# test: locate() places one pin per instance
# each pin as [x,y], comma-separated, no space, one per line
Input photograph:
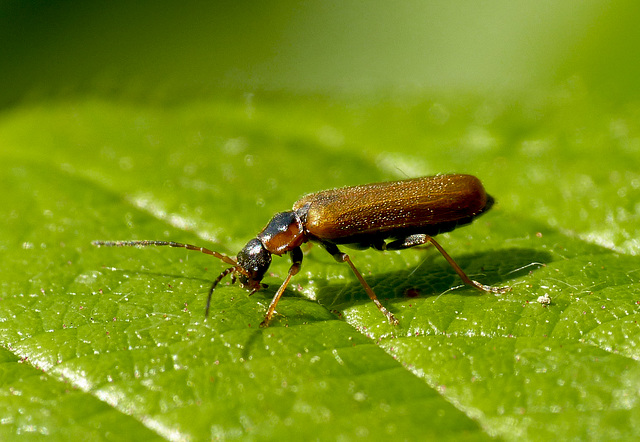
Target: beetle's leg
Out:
[296,263]
[343,257]
[407,242]
[376,245]
[463,275]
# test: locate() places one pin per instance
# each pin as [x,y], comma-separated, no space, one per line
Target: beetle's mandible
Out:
[384,216]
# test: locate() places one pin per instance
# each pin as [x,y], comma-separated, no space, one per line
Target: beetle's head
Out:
[254,260]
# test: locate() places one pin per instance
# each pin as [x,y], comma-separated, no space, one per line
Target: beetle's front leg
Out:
[296,263]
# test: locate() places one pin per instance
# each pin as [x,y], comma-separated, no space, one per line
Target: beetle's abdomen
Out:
[422,205]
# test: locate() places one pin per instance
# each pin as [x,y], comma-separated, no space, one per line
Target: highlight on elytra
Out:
[384,216]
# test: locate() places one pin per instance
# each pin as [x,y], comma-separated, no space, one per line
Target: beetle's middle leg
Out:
[419,239]
[343,257]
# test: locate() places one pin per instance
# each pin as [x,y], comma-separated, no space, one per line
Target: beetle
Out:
[384,216]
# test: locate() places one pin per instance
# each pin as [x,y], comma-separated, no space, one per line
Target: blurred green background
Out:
[175,50]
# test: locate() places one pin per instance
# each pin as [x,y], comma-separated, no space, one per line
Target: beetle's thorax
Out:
[284,233]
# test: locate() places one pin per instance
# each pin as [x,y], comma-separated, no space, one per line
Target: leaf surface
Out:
[112,343]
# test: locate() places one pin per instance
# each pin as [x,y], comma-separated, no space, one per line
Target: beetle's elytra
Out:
[384,216]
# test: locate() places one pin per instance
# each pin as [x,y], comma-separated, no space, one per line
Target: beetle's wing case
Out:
[428,205]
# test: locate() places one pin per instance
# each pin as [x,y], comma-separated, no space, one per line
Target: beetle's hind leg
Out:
[419,239]
[343,257]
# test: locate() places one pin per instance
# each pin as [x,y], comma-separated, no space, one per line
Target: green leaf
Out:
[112,343]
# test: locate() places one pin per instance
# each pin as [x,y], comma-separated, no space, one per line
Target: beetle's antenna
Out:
[213,286]
[146,243]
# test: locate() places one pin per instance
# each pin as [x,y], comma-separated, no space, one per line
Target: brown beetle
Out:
[384,216]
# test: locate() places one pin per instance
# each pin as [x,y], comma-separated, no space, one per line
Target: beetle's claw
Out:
[491,289]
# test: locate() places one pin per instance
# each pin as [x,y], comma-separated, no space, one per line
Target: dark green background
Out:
[198,121]
[169,49]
